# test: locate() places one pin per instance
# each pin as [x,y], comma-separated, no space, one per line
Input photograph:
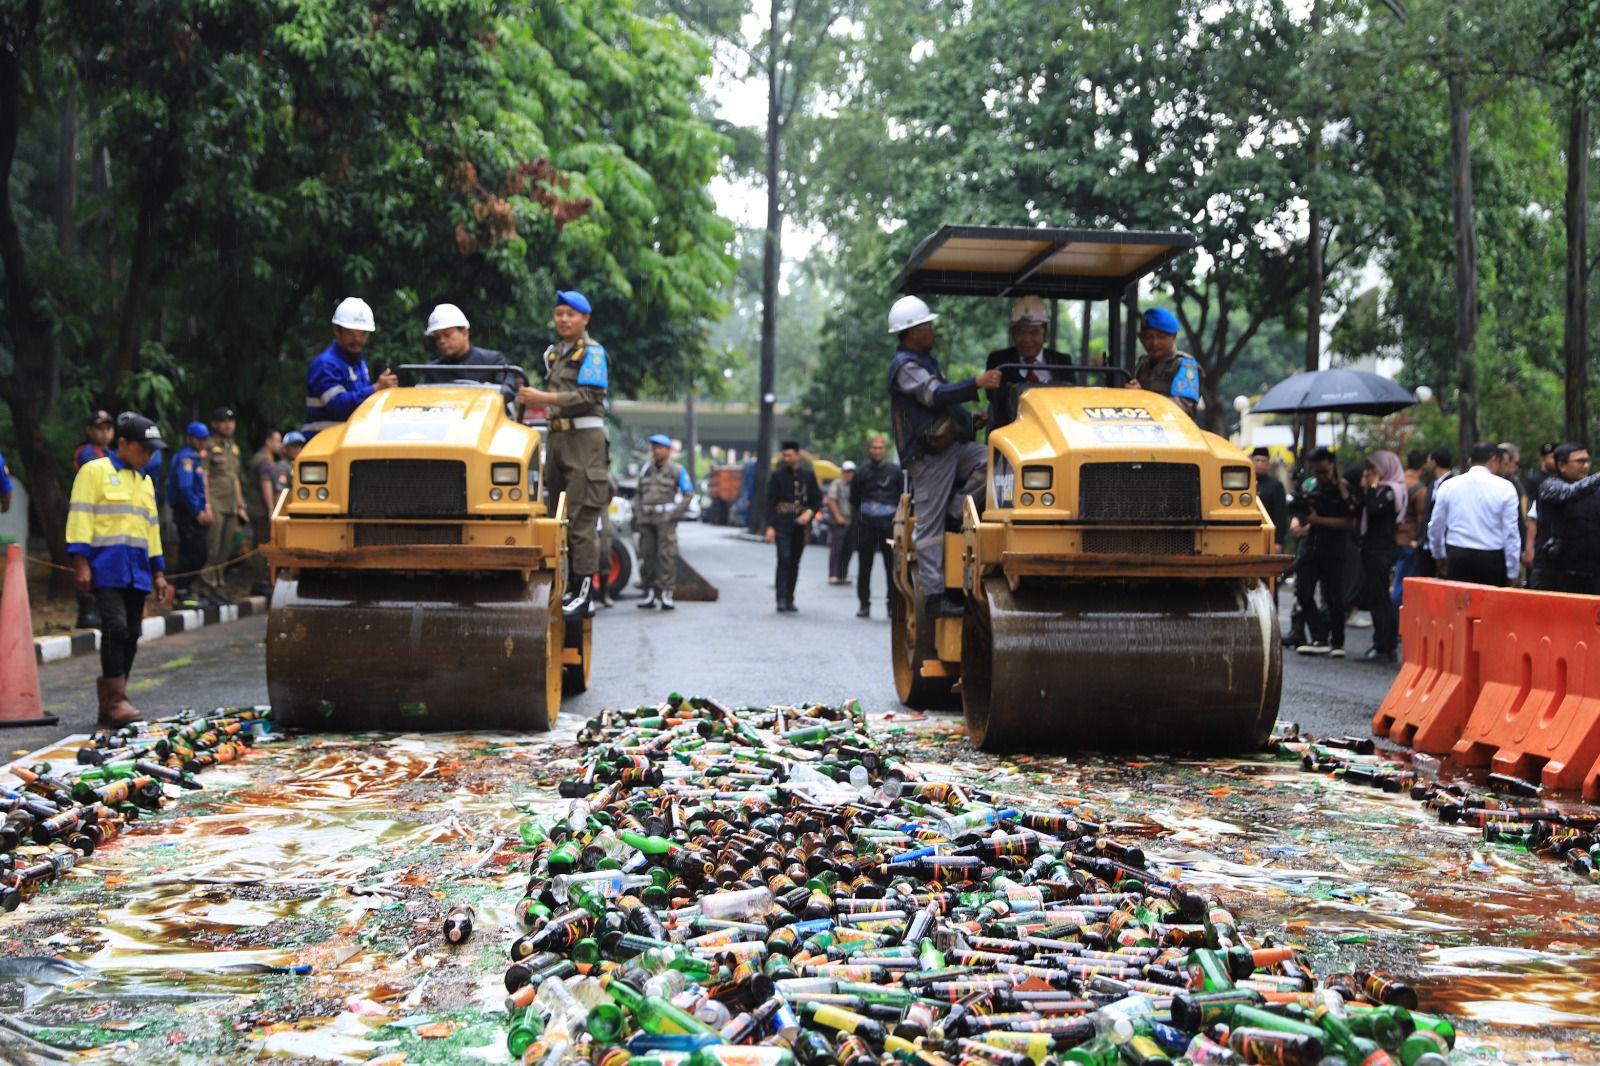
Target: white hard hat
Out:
[908,311]
[1030,311]
[446,316]
[848,466]
[353,313]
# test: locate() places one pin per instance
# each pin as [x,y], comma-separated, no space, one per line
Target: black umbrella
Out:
[1353,392]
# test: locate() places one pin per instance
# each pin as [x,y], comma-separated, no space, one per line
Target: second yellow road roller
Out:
[1118,573]
[418,573]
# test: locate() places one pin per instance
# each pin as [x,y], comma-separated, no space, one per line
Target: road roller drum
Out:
[1058,666]
[364,650]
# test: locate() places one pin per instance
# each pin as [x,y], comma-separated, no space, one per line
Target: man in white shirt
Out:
[1476,529]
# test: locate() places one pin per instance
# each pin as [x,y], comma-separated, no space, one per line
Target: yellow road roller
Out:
[1119,574]
[418,573]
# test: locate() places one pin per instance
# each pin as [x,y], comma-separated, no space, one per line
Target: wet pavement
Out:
[343,854]
[738,647]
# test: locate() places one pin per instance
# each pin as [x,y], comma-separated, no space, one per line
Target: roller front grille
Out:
[1139,492]
[408,488]
[375,535]
[1138,542]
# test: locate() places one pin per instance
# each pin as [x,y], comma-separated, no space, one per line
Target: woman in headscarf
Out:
[1384,482]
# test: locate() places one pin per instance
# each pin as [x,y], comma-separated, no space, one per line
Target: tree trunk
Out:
[141,269]
[26,388]
[1314,280]
[1575,326]
[67,177]
[691,435]
[1466,262]
[771,257]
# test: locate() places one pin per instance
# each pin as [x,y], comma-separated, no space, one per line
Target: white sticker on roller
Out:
[1131,434]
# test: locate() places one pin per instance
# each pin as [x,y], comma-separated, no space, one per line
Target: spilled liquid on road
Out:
[342,854]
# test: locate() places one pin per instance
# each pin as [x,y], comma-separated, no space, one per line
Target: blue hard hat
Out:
[661,439]
[198,429]
[1161,320]
[575,300]
[294,436]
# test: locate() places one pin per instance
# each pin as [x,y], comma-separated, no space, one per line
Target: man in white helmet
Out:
[934,435]
[452,340]
[1030,320]
[337,381]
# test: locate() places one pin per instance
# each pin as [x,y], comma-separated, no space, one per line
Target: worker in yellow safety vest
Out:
[114,538]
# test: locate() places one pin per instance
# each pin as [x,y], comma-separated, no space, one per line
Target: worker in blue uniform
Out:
[114,538]
[337,381]
[186,494]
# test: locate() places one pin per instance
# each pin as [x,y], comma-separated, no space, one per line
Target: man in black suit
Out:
[1030,321]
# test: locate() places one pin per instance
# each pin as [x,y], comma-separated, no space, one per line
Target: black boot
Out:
[88,613]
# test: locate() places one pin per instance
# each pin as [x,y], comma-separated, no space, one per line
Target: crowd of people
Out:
[1360,531]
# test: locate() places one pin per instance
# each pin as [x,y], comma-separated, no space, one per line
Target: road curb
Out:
[87,642]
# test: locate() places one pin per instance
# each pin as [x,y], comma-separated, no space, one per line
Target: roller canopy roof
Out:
[1010,261]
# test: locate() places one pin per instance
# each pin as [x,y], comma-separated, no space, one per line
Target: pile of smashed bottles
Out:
[761,886]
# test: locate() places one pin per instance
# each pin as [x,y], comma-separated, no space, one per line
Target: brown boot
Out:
[115,710]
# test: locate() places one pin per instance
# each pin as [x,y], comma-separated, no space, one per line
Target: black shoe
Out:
[1373,655]
[941,605]
[261,588]
[864,612]
[1294,640]
[575,604]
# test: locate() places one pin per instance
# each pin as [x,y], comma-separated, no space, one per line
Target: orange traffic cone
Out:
[19,664]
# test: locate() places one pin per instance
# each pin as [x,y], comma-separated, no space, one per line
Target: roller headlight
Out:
[313,473]
[515,494]
[303,493]
[1026,499]
[494,494]
[1236,477]
[1227,499]
[322,494]
[1244,499]
[505,474]
[1036,477]
[1048,499]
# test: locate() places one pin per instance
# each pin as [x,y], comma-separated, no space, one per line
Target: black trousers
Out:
[121,616]
[191,552]
[1567,581]
[790,538]
[1481,566]
[1377,564]
[841,545]
[872,540]
[1322,570]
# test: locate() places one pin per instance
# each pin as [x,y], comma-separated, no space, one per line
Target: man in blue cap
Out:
[186,494]
[1164,369]
[114,538]
[665,492]
[577,373]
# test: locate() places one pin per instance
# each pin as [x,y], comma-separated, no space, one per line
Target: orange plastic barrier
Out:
[20,702]
[1537,712]
[1428,704]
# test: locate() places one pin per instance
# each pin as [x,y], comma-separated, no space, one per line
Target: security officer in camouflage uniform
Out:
[225,486]
[577,375]
[664,494]
[1164,369]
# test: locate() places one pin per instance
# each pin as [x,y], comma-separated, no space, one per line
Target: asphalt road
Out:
[737,648]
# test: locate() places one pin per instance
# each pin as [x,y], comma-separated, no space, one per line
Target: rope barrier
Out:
[52,565]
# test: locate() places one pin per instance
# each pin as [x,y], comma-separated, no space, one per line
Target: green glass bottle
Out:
[524,1031]
[653,1014]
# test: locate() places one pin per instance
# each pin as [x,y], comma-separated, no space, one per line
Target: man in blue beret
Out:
[665,493]
[1164,369]
[577,374]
